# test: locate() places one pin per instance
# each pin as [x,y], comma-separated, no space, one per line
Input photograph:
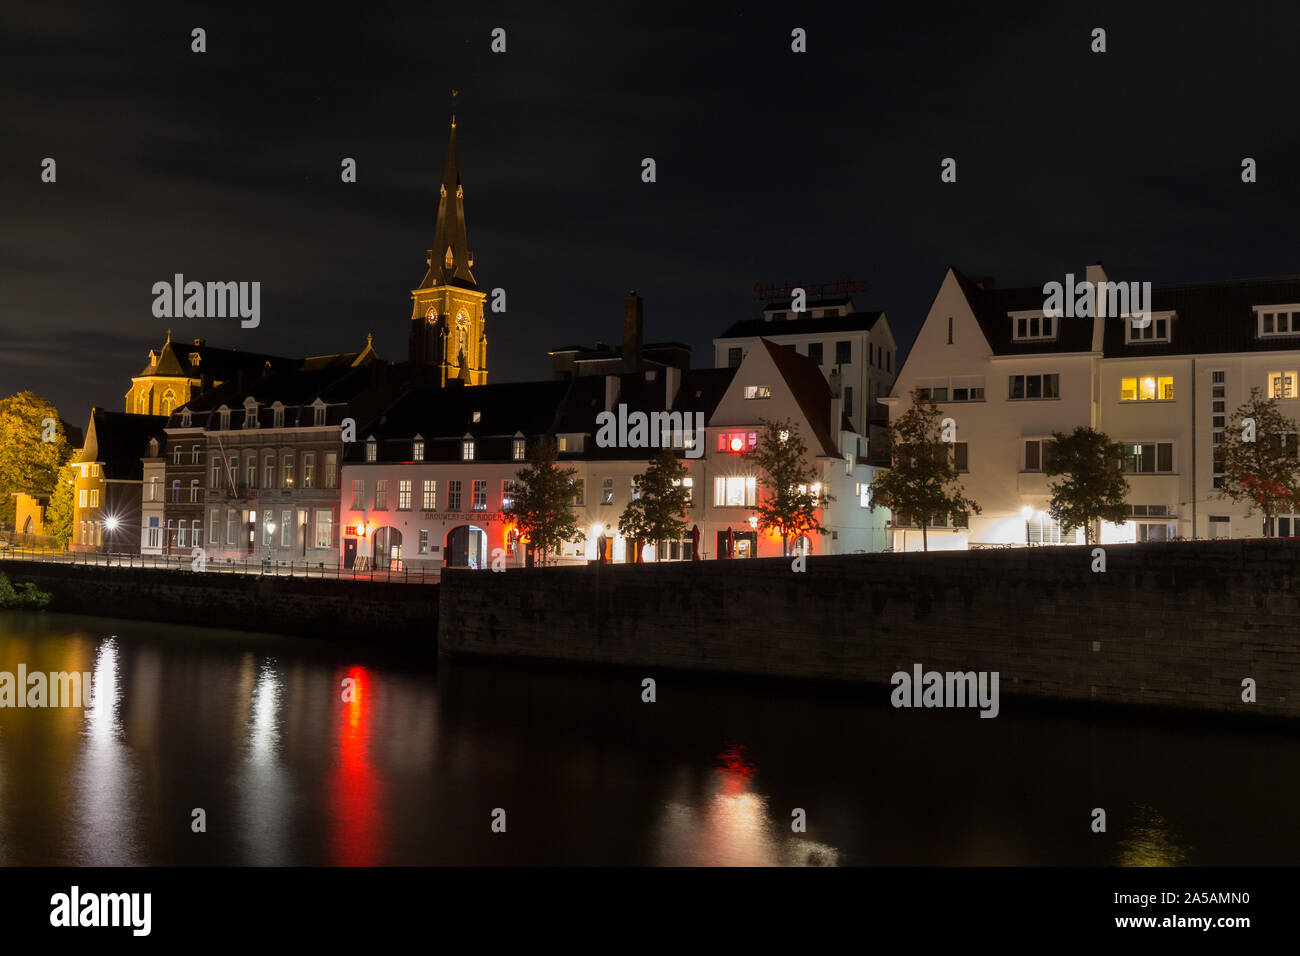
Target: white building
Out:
[1009,376]
[854,350]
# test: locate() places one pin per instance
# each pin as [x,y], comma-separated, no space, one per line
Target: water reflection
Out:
[356,810]
[254,730]
[105,789]
[1150,841]
[733,825]
[264,785]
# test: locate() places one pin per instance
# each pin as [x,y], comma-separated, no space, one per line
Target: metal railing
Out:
[396,573]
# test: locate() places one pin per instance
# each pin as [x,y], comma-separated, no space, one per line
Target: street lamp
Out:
[270,536]
[1026,512]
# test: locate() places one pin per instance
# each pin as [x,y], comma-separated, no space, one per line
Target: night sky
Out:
[772,165]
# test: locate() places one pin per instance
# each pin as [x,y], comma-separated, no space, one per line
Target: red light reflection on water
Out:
[737,771]
[356,787]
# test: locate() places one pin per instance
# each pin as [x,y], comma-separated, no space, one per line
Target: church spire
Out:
[450,260]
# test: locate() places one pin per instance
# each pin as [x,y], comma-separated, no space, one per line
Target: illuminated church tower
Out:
[447,330]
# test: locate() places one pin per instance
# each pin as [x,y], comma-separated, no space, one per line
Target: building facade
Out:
[1010,375]
[856,351]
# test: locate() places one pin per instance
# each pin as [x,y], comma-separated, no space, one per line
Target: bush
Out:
[25,596]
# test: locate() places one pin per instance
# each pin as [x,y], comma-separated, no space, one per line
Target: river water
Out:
[253,731]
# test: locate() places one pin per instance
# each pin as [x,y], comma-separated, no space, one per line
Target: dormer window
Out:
[518,447]
[1033,326]
[185,418]
[318,412]
[372,449]
[224,413]
[1275,321]
[250,413]
[417,449]
[1139,330]
[277,415]
[467,448]
[194,359]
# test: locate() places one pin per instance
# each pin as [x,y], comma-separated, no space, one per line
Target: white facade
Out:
[1165,408]
[863,358]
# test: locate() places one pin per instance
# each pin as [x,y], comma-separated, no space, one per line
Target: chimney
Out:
[612,383]
[672,382]
[632,332]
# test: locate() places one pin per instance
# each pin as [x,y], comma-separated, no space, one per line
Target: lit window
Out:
[404,495]
[430,495]
[1281,384]
[735,491]
[518,449]
[758,391]
[372,449]
[736,442]
[479,492]
[1147,388]
[417,450]
[467,450]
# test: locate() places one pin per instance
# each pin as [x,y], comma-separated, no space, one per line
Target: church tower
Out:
[447,328]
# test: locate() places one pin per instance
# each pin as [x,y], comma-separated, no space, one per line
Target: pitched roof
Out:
[990,307]
[810,389]
[175,360]
[1212,318]
[853,322]
[119,440]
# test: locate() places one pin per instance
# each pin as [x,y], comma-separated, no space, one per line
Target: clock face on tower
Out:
[432,317]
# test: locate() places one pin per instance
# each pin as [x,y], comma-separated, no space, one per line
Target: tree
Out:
[58,516]
[792,496]
[543,501]
[658,510]
[922,484]
[1259,458]
[33,447]
[1092,487]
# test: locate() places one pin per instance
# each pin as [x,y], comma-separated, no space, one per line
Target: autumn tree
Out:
[657,510]
[58,516]
[1091,488]
[792,497]
[1259,458]
[33,447]
[922,485]
[542,507]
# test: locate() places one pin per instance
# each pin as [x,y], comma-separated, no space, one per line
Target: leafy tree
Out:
[658,511]
[922,484]
[788,504]
[58,516]
[543,501]
[1259,458]
[1092,488]
[27,461]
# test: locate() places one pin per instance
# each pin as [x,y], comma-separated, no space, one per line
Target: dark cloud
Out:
[772,166]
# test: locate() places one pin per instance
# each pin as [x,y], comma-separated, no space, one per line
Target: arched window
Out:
[168,402]
[142,405]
